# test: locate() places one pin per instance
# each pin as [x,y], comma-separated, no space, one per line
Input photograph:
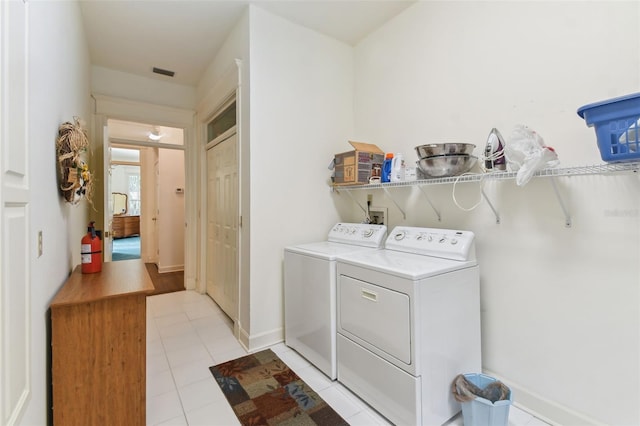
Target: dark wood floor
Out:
[165,282]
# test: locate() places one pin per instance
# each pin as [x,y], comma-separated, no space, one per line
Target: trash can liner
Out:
[463,390]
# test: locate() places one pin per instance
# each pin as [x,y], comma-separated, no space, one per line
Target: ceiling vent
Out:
[163,72]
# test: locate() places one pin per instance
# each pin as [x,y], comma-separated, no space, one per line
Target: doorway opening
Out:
[222,209]
[146,183]
[126,202]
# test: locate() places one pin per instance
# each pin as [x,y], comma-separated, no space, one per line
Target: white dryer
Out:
[310,290]
[409,322]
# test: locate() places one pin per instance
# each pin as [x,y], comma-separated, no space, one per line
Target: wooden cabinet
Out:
[98,340]
[125,226]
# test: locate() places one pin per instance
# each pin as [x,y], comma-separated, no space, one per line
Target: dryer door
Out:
[377,316]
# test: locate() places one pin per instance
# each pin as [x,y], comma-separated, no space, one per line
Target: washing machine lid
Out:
[326,250]
[404,265]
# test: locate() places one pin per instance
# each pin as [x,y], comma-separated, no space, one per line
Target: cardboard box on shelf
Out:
[357,166]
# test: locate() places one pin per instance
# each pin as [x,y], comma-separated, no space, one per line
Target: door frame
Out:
[224,137]
[205,146]
[108,107]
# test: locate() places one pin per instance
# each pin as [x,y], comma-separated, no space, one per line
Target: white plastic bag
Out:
[526,153]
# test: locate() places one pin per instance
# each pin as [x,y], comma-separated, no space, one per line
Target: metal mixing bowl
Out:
[446,165]
[431,149]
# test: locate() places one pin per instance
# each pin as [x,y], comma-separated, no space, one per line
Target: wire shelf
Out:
[475,177]
[596,169]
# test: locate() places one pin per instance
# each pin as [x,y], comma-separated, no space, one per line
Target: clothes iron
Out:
[494,151]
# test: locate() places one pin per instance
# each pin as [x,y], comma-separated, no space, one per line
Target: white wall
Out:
[560,306]
[119,84]
[301,114]
[296,111]
[215,86]
[171,206]
[58,91]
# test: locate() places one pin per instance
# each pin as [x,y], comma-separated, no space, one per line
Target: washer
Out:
[409,322]
[310,290]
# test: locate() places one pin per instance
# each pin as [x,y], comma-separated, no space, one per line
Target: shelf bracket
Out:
[567,216]
[495,212]
[356,201]
[386,191]
[431,204]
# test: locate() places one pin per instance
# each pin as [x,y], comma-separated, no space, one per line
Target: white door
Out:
[107,237]
[149,205]
[222,225]
[15,280]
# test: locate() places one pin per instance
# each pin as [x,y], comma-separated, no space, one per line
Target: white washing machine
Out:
[409,322]
[310,290]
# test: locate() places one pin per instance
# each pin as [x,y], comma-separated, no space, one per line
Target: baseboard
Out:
[241,335]
[543,408]
[173,268]
[257,342]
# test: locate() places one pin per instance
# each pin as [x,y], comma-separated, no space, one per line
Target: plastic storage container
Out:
[482,412]
[386,168]
[617,126]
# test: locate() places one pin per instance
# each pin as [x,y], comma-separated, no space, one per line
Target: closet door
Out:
[15,280]
[222,224]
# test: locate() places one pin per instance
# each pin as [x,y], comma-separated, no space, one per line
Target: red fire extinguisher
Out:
[91,251]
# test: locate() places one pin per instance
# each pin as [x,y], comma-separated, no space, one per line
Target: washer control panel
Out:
[360,234]
[444,243]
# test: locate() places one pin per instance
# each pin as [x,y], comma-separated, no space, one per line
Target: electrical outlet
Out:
[378,215]
[39,243]
[369,198]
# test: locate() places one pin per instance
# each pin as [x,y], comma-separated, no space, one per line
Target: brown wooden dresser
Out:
[98,340]
[125,226]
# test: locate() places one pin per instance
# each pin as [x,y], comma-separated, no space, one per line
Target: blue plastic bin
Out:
[482,412]
[617,125]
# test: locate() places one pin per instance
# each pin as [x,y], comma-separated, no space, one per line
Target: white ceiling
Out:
[184,36]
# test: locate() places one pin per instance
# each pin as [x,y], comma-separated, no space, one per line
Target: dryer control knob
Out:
[454,242]
[399,236]
[367,233]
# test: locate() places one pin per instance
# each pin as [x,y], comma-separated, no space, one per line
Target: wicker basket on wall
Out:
[75,177]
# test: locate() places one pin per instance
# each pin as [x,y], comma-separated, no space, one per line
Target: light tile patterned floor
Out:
[187,333]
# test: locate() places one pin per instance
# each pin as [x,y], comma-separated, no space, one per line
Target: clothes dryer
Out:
[409,322]
[310,290]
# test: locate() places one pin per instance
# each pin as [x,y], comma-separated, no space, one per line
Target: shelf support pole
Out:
[431,204]
[495,212]
[386,191]
[567,216]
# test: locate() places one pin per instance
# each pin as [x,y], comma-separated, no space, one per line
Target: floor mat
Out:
[263,390]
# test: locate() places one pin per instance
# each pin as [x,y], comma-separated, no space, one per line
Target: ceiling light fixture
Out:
[155,135]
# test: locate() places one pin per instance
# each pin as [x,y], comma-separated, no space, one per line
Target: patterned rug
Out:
[263,391]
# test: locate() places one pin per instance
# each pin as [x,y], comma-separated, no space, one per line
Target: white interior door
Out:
[107,236]
[155,245]
[222,224]
[149,205]
[15,282]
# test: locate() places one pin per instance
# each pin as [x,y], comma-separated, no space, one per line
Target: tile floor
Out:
[187,333]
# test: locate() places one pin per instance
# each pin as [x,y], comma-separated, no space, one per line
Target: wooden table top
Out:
[124,277]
